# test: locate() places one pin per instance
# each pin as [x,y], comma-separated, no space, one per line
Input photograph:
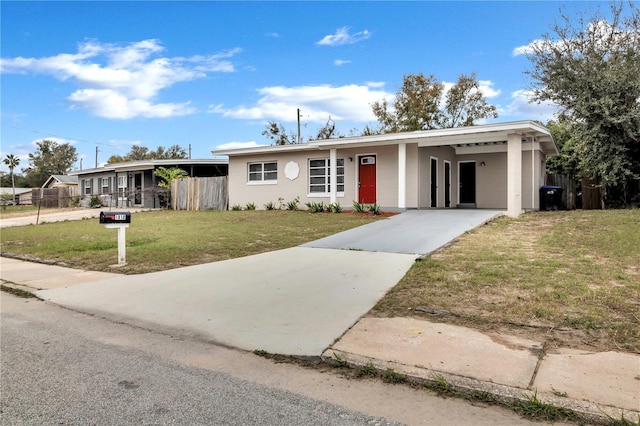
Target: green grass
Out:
[161,240]
[571,277]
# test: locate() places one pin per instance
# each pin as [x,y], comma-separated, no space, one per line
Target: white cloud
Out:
[340,62]
[237,145]
[342,37]
[121,81]
[521,107]
[350,102]
[111,104]
[601,31]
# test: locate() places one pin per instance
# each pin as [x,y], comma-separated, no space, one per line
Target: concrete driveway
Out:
[412,232]
[295,301]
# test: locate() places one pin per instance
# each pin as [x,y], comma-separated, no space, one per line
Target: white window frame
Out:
[103,186]
[327,174]
[262,173]
[88,186]
[122,186]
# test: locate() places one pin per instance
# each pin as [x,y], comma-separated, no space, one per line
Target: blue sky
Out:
[211,74]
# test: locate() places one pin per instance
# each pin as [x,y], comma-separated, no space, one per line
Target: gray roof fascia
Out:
[453,136]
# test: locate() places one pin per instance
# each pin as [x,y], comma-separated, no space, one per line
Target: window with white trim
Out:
[263,172]
[88,183]
[105,185]
[319,176]
[122,186]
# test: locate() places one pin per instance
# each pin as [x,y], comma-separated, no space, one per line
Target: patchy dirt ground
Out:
[570,279]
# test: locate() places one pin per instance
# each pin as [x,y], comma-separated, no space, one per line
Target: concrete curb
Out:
[507,395]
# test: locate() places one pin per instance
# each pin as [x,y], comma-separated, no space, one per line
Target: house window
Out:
[122,186]
[87,186]
[263,172]
[319,176]
[105,185]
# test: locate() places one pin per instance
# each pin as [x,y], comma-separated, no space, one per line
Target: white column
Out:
[402,175]
[333,175]
[514,175]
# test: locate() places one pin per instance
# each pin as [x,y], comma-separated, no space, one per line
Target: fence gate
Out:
[200,193]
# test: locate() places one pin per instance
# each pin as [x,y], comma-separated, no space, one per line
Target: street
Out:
[63,367]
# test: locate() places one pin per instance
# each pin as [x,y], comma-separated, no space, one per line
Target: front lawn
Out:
[167,239]
[566,278]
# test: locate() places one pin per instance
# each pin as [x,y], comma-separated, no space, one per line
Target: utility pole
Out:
[97,150]
[298,125]
[189,151]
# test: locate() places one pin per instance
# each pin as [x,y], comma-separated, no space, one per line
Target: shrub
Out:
[293,204]
[95,202]
[359,207]
[236,207]
[270,206]
[315,207]
[375,209]
[334,208]
[250,206]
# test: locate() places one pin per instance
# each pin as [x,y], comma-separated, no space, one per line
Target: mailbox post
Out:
[119,221]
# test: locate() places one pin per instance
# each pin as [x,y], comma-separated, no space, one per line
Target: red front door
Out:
[367,180]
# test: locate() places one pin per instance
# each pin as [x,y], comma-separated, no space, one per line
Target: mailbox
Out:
[115,217]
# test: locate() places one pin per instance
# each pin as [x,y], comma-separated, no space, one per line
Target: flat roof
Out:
[485,133]
[150,164]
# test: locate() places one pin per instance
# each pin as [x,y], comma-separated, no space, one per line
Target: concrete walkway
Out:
[59,216]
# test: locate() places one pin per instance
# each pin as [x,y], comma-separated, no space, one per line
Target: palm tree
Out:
[12,162]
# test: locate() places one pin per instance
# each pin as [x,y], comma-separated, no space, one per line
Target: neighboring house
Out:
[61,181]
[23,195]
[493,166]
[135,184]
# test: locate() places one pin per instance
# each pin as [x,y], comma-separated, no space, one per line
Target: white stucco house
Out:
[493,166]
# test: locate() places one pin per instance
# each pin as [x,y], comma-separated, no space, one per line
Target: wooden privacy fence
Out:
[200,193]
[59,197]
[568,184]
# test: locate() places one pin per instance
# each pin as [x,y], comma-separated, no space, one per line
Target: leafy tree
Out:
[328,131]
[465,103]
[139,153]
[568,162]
[415,107]
[51,158]
[11,161]
[278,134]
[168,175]
[418,105]
[591,69]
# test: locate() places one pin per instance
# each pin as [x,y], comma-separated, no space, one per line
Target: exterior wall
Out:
[442,153]
[491,177]
[241,192]
[491,180]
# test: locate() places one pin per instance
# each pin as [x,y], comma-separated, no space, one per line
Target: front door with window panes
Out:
[122,190]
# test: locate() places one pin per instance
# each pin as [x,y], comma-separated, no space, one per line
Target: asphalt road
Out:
[62,367]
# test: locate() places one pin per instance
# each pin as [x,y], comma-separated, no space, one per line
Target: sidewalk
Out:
[599,387]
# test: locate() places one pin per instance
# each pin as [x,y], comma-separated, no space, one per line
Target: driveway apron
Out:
[295,301]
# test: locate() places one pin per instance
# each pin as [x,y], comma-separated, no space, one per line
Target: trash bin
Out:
[550,197]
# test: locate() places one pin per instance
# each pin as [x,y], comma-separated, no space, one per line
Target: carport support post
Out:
[514,175]
[402,175]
